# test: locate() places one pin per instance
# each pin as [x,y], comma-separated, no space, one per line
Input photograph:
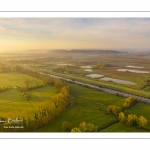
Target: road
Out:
[115,92]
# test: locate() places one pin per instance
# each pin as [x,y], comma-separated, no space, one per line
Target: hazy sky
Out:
[74,33]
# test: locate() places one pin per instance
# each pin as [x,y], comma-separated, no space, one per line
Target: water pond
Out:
[86,67]
[134,71]
[89,70]
[117,80]
[134,67]
[65,64]
[95,75]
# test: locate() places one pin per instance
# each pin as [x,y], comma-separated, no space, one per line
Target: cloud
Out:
[85,32]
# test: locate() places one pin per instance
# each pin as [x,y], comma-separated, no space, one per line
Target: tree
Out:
[76,64]
[27,81]
[66,69]
[142,122]
[122,117]
[66,126]
[82,126]
[5,69]
[75,130]
[58,84]
[27,95]
[132,120]
[129,120]
[91,128]
[59,100]
[130,101]
[87,127]
[114,109]
[65,92]
[135,119]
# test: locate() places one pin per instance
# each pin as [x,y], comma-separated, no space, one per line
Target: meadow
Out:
[111,71]
[13,79]
[137,78]
[101,83]
[140,109]
[90,106]
[121,127]
[13,100]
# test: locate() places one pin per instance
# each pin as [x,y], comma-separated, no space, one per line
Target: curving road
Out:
[139,98]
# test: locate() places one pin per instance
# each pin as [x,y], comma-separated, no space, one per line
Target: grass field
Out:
[140,109]
[147,88]
[86,104]
[137,78]
[17,79]
[76,115]
[89,105]
[13,100]
[102,84]
[120,127]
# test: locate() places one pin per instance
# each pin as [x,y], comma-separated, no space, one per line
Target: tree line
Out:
[130,119]
[83,127]
[42,113]
[45,78]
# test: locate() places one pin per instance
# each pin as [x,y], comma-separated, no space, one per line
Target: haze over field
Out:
[74,33]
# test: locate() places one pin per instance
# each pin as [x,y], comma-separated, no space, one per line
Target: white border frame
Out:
[73,14]
[67,14]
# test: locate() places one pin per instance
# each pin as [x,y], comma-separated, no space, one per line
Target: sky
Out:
[74,33]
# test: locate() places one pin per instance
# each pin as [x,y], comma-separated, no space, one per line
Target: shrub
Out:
[130,101]
[75,130]
[122,117]
[132,120]
[114,110]
[84,127]
[142,122]
[66,126]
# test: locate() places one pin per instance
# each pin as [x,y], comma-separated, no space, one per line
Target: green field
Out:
[137,78]
[112,72]
[76,115]
[147,89]
[140,109]
[103,84]
[86,104]
[13,79]
[13,100]
[120,127]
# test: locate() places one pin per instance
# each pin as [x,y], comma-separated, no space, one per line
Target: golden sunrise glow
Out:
[83,33]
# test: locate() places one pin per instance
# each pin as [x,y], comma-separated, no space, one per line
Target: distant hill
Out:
[75,52]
